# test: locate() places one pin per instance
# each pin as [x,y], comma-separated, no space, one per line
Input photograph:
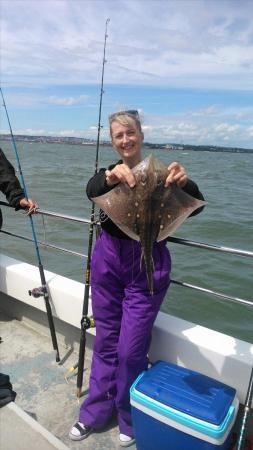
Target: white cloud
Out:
[250,131]
[63,133]
[31,100]
[28,131]
[62,41]
[68,101]
[226,128]
[50,44]
[166,130]
[210,126]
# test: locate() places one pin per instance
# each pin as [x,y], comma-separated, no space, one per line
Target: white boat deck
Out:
[25,430]
[46,405]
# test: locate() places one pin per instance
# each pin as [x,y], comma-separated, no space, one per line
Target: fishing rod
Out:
[87,322]
[246,415]
[42,290]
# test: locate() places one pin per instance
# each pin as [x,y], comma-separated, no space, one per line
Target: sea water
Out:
[56,176]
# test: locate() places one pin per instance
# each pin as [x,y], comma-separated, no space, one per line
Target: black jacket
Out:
[97,186]
[9,184]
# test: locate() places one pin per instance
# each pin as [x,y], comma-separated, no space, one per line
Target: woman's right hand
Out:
[121,173]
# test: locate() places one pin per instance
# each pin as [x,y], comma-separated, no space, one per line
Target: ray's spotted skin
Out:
[150,210]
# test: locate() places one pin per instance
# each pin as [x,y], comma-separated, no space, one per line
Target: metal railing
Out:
[180,241]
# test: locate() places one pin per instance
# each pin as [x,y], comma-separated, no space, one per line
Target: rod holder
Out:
[37,292]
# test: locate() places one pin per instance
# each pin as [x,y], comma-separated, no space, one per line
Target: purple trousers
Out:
[124,313]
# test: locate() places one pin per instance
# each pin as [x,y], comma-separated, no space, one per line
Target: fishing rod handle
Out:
[49,313]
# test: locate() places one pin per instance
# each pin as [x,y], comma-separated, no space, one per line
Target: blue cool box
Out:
[174,408]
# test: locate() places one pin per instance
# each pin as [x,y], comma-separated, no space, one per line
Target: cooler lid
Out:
[187,391]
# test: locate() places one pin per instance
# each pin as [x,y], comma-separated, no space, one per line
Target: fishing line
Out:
[42,290]
[246,415]
[44,229]
[87,322]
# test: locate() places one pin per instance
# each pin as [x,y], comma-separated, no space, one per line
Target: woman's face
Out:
[127,139]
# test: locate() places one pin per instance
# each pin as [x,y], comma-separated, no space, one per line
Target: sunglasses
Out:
[129,112]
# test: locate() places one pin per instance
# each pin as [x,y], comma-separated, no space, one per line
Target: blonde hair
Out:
[126,118]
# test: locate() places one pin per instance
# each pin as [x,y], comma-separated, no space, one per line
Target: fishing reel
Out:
[37,292]
[87,322]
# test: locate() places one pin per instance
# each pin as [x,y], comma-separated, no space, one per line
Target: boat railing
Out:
[180,241]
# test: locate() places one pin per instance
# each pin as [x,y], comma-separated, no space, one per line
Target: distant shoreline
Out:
[152,146]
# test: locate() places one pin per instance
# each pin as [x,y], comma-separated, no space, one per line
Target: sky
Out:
[186,65]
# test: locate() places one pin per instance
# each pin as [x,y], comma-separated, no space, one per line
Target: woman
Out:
[123,308]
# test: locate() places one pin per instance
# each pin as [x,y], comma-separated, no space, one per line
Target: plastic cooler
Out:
[174,408]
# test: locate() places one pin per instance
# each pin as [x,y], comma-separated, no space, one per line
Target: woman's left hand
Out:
[177,174]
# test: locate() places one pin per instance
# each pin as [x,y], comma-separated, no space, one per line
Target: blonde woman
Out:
[123,308]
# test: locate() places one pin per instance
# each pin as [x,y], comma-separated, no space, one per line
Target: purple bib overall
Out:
[124,313]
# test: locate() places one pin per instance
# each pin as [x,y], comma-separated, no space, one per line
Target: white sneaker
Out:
[125,441]
[79,431]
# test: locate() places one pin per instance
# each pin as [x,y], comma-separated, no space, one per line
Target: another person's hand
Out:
[29,205]
[177,174]
[121,173]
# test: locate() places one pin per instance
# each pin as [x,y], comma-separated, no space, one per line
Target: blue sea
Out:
[56,176]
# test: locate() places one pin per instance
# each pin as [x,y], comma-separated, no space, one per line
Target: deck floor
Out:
[42,391]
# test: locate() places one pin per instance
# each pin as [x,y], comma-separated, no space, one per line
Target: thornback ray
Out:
[149,211]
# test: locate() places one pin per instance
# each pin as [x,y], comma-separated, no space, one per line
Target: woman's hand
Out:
[29,205]
[177,174]
[121,173]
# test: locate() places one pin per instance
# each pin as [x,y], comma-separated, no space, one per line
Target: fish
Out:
[148,212]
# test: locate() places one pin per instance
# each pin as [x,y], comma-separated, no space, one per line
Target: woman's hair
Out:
[126,118]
